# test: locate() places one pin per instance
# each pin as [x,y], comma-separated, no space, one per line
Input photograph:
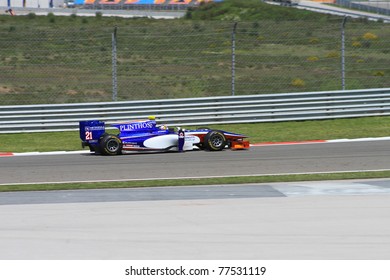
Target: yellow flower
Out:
[379,73]
[312,58]
[298,83]
[356,44]
[370,36]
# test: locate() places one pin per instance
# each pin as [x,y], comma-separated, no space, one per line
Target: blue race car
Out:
[146,135]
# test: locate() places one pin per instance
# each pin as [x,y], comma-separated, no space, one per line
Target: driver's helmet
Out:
[163,127]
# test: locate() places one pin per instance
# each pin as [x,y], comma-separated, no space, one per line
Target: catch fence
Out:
[78,59]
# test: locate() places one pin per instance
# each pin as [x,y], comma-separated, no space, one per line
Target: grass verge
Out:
[203,181]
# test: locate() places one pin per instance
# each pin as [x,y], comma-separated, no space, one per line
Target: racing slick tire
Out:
[215,141]
[111,145]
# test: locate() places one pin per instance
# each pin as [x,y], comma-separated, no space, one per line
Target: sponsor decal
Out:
[131,146]
[92,128]
[137,126]
[190,138]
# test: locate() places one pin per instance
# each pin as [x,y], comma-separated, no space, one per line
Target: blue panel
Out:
[90,131]
[145,2]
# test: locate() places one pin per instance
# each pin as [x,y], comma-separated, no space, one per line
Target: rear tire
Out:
[110,145]
[215,141]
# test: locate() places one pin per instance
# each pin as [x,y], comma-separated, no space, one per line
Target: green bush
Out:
[31,15]
[51,17]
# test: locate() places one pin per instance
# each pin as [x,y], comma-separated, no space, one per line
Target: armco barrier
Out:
[202,111]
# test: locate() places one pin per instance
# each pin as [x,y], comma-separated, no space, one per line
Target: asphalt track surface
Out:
[282,159]
[301,220]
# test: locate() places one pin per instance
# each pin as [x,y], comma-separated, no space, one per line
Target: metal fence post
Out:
[343,53]
[234,57]
[114,66]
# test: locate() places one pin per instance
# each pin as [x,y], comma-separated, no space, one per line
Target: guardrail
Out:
[372,6]
[372,14]
[345,12]
[202,111]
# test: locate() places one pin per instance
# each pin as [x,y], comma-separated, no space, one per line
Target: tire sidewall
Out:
[209,144]
[105,143]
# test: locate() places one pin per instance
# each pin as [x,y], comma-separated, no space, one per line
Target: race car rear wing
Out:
[91,131]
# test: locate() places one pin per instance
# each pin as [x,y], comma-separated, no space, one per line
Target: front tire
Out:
[215,141]
[111,145]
